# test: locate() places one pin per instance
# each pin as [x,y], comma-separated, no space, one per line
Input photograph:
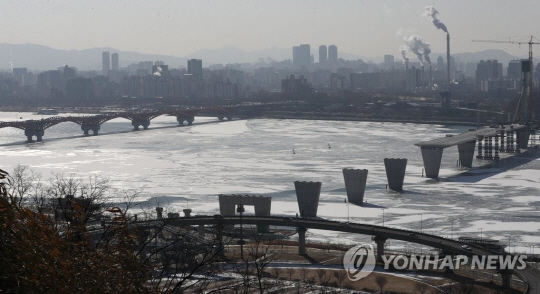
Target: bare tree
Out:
[304,272]
[381,281]
[290,272]
[340,277]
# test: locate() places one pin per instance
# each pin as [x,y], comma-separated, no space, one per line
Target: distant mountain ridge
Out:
[39,57]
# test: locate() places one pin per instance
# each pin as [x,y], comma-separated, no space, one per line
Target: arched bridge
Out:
[138,119]
[380,234]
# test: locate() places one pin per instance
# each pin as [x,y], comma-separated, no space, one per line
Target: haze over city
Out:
[179,28]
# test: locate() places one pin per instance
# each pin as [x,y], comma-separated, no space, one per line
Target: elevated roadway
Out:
[380,235]
[491,141]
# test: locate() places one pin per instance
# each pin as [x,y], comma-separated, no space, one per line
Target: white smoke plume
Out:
[417,46]
[431,12]
[158,71]
[403,51]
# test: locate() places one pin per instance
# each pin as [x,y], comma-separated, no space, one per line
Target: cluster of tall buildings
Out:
[302,57]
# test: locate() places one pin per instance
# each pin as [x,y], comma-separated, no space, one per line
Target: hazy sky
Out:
[369,28]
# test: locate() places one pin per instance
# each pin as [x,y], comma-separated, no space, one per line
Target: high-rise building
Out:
[195,67]
[301,56]
[388,61]
[332,54]
[115,61]
[489,69]
[323,54]
[514,69]
[106,62]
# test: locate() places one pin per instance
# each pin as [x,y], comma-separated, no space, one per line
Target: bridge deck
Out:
[467,137]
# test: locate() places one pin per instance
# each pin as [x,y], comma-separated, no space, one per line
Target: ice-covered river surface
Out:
[175,164]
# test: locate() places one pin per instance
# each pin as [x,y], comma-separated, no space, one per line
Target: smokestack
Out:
[448,59]
[423,79]
[430,77]
[448,98]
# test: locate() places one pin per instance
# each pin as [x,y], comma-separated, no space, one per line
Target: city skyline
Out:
[361,28]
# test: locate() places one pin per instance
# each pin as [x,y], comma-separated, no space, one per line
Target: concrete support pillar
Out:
[301,240]
[95,130]
[432,161]
[190,120]
[262,208]
[220,117]
[395,172]
[180,120]
[486,148]
[187,212]
[380,241]
[510,142]
[85,129]
[30,133]
[502,148]
[307,194]
[496,148]
[159,211]
[355,184]
[136,123]
[228,117]
[466,153]
[523,136]
[480,139]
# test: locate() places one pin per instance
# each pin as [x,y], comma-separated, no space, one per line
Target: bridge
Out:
[379,234]
[138,119]
[502,138]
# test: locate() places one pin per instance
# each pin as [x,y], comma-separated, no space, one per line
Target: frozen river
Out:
[175,164]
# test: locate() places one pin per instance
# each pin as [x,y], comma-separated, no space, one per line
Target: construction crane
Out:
[526,104]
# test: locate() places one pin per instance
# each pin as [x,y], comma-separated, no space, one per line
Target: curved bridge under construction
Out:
[379,234]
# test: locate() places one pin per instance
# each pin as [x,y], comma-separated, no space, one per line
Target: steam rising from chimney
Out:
[431,12]
[403,51]
[417,46]
[158,71]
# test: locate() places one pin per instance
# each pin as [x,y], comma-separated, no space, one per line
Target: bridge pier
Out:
[301,240]
[395,172]
[466,153]
[380,241]
[522,139]
[432,160]
[355,184]
[190,120]
[87,128]
[30,133]
[180,120]
[307,195]
[140,122]
[220,117]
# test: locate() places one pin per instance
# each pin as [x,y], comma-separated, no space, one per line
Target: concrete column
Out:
[159,211]
[395,172]
[307,194]
[85,129]
[262,208]
[432,161]
[502,148]
[229,117]
[302,240]
[190,120]
[496,149]
[220,117]
[466,153]
[380,241]
[145,124]
[187,212]
[180,120]
[355,184]
[95,130]
[523,138]
[480,139]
